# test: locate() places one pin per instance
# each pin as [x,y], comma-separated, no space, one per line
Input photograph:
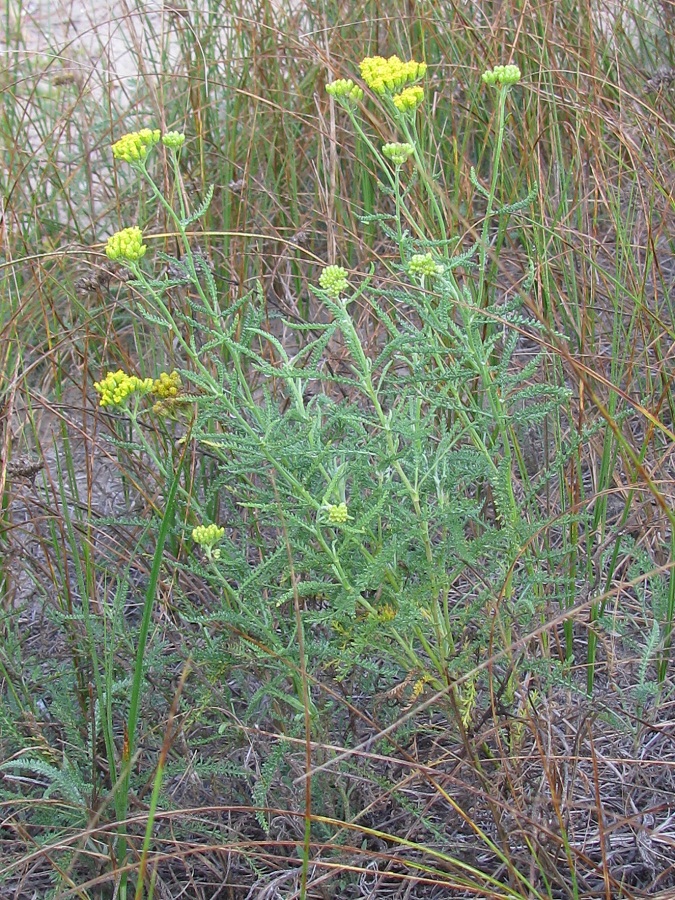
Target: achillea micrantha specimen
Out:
[345,90]
[136,145]
[337,513]
[390,75]
[333,280]
[423,264]
[117,386]
[502,76]
[397,153]
[126,245]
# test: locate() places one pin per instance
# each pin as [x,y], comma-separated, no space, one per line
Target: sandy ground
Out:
[100,41]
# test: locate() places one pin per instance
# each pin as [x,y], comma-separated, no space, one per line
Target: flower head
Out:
[389,76]
[135,146]
[337,513]
[117,386]
[126,245]
[423,264]
[345,90]
[386,612]
[207,536]
[502,76]
[409,99]
[174,140]
[166,387]
[333,280]
[397,153]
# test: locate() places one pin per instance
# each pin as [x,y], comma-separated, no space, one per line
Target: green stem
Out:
[489,210]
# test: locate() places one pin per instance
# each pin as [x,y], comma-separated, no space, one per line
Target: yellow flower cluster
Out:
[409,99]
[166,387]
[502,76]
[344,89]
[390,75]
[337,514]
[135,146]
[117,386]
[126,245]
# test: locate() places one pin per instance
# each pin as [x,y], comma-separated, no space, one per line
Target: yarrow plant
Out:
[422,439]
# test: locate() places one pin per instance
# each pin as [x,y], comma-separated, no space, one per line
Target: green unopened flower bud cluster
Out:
[174,140]
[345,90]
[337,513]
[126,245]
[117,386]
[207,536]
[502,76]
[389,76]
[424,265]
[333,280]
[397,153]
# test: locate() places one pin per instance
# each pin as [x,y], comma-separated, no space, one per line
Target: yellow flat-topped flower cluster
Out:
[167,386]
[117,386]
[409,99]
[136,145]
[390,75]
[126,245]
